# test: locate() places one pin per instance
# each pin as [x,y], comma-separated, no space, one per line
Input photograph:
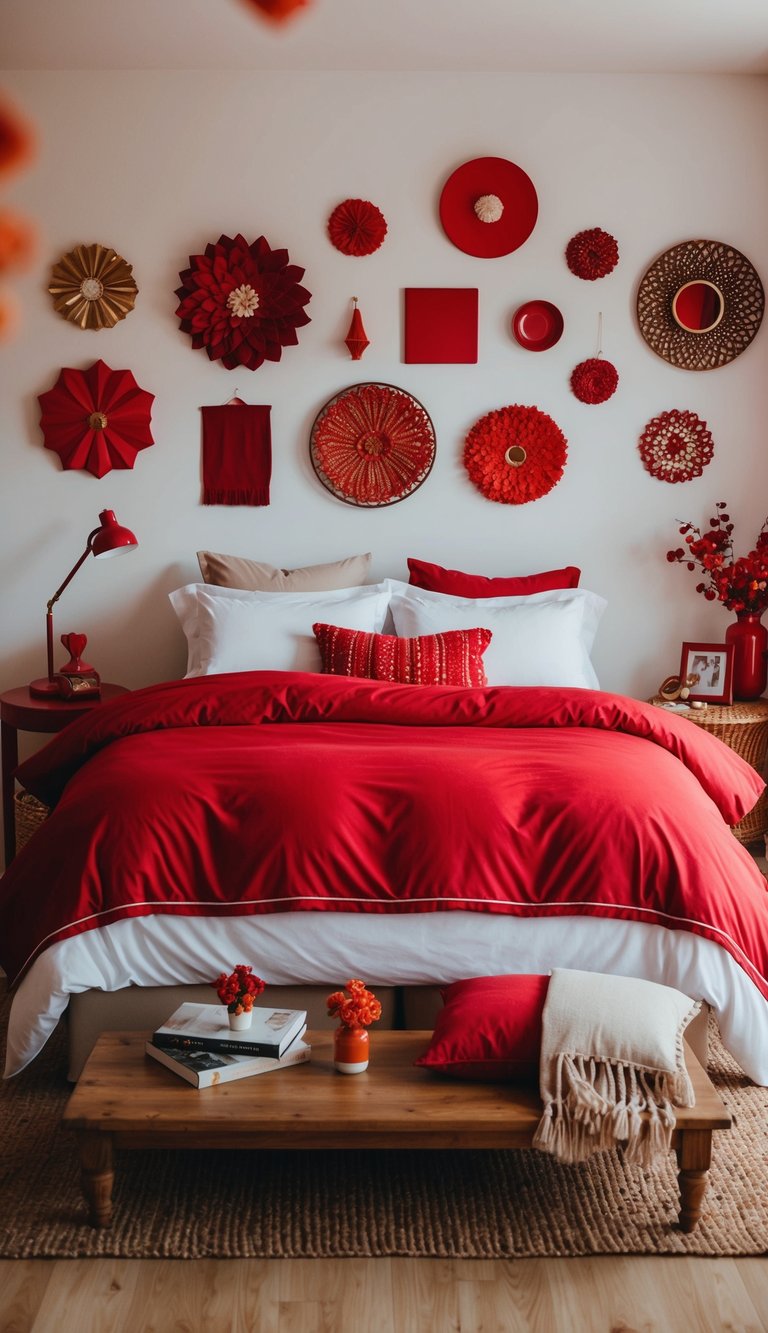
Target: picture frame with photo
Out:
[712,663]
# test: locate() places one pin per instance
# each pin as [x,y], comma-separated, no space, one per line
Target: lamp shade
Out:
[111,538]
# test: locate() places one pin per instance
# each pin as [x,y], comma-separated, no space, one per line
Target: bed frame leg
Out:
[694,1157]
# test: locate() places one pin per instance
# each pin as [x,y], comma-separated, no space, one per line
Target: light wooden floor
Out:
[604,1295]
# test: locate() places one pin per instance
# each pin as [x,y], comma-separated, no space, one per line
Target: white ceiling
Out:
[623,36]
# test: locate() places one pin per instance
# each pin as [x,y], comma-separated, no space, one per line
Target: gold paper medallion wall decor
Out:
[700,304]
[93,286]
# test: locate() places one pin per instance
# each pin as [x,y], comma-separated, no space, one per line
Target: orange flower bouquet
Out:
[238,992]
[356,1008]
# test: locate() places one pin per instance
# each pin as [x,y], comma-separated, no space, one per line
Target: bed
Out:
[321,827]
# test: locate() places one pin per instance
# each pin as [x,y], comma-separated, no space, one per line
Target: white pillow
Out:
[228,629]
[544,638]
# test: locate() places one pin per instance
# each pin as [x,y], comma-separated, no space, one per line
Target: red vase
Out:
[350,1050]
[749,639]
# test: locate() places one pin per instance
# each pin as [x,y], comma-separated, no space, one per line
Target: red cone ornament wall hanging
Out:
[592,254]
[97,419]
[242,302]
[357,227]
[515,454]
[356,339]
[676,446]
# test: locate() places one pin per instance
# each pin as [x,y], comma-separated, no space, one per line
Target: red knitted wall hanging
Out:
[237,454]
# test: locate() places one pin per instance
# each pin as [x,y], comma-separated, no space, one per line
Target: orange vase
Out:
[350,1050]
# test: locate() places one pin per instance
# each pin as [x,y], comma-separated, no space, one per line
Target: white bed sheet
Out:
[422,948]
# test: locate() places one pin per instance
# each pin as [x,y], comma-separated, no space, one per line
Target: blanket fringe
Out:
[599,1105]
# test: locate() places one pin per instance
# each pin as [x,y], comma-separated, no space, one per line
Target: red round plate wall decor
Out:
[372,445]
[515,454]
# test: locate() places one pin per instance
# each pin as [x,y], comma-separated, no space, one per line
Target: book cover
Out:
[205,1027]
[205,1069]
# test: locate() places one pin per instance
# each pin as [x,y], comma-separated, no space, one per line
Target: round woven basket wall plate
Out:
[372,445]
[700,261]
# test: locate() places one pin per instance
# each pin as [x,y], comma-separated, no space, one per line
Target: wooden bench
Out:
[125,1100]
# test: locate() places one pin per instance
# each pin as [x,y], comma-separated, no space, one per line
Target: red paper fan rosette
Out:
[676,446]
[594,380]
[515,454]
[96,419]
[242,302]
[357,227]
[372,445]
[592,254]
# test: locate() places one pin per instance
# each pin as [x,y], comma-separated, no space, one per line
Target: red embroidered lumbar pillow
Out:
[434,578]
[490,1028]
[452,658]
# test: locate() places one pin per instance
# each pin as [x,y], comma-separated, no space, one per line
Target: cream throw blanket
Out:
[612,1067]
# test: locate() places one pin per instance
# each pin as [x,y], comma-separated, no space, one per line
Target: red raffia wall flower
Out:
[96,419]
[740,583]
[276,10]
[676,446]
[372,444]
[238,990]
[515,454]
[354,1006]
[242,302]
[592,254]
[357,227]
[594,380]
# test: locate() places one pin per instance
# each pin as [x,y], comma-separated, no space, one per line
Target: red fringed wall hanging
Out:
[356,338]
[676,446]
[96,419]
[242,302]
[372,444]
[515,454]
[592,254]
[237,453]
[357,227]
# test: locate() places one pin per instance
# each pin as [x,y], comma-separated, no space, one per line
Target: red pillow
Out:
[489,1029]
[452,658]
[433,578]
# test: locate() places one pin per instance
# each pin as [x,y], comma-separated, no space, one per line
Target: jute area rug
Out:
[475,1205]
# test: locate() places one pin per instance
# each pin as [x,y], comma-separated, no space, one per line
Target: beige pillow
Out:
[234,571]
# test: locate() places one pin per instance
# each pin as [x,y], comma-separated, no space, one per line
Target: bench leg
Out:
[97,1175]
[694,1156]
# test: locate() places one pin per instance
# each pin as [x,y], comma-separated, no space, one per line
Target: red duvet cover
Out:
[276,792]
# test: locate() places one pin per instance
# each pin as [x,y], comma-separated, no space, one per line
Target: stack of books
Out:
[197,1043]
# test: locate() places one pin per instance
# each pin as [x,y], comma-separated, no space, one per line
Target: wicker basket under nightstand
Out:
[743,727]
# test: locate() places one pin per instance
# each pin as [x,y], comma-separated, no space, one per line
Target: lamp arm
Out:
[55,598]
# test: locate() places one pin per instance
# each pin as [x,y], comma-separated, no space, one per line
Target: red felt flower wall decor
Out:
[357,227]
[242,302]
[594,380]
[96,419]
[676,446]
[515,454]
[592,254]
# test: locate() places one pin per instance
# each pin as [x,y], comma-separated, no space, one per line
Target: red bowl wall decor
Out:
[372,445]
[242,302]
[537,325]
[676,446]
[515,454]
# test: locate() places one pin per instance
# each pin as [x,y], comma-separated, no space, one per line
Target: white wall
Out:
[157,165]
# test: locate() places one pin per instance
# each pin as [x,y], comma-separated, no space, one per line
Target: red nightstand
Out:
[19,711]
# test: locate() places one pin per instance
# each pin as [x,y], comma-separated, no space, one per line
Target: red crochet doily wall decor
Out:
[515,454]
[676,446]
[592,254]
[372,444]
[97,419]
[242,302]
[594,380]
[357,227]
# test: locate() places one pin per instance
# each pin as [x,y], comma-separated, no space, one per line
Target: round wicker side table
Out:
[743,727]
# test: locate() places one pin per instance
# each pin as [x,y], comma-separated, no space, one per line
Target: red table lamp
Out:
[108,539]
